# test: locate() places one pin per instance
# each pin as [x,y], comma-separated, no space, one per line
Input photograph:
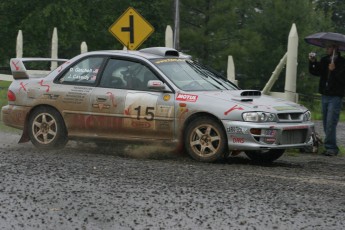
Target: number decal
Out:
[149,113]
[138,114]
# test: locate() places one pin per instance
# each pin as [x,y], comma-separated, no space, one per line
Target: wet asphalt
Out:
[148,187]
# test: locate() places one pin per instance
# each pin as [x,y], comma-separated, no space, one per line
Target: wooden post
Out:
[291,65]
[54,64]
[83,47]
[19,47]
[231,70]
[169,37]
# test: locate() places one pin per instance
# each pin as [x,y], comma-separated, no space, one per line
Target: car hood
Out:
[253,100]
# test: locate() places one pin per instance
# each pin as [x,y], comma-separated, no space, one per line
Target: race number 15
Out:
[149,115]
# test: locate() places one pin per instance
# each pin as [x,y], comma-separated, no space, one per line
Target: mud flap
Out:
[25,137]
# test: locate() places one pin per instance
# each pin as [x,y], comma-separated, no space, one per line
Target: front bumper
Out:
[14,116]
[260,136]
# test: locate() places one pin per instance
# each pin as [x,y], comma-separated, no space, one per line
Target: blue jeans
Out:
[331,107]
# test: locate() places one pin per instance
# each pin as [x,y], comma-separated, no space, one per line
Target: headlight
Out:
[259,117]
[307,116]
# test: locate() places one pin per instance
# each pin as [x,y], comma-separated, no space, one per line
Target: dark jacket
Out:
[332,83]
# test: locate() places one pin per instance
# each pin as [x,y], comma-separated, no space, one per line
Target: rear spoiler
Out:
[20,72]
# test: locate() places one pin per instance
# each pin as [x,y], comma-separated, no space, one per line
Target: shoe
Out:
[329,153]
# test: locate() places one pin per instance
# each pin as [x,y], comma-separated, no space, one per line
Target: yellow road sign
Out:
[131,29]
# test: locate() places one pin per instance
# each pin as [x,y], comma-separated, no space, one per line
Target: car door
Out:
[77,84]
[124,107]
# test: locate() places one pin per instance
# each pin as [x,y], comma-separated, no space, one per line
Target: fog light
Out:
[255,131]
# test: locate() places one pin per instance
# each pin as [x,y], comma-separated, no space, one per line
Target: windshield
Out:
[189,75]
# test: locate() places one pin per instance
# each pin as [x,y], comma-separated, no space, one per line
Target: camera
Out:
[312,55]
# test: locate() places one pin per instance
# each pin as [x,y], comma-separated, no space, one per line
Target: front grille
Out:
[290,117]
[297,136]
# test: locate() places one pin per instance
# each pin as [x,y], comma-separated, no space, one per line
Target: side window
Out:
[84,72]
[123,74]
[146,76]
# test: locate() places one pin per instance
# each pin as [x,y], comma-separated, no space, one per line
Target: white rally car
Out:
[154,94]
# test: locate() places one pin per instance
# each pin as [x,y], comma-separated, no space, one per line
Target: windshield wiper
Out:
[204,71]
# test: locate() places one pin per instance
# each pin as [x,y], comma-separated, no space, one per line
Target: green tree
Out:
[204,29]
[255,33]
[76,21]
[272,21]
[334,10]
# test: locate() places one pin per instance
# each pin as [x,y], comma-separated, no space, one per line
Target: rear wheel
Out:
[47,128]
[205,140]
[265,156]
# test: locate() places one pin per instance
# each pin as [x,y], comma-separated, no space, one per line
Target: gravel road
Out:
[84,187]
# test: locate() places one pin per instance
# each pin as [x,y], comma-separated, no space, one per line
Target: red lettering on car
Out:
[186,97]
[141,124]
[237,140]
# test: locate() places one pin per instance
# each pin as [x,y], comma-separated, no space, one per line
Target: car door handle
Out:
[101,99]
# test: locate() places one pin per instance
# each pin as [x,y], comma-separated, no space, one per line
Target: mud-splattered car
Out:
[154,94]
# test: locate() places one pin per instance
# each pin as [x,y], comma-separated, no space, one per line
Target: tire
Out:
[265,156]
[47,129]
[205,140]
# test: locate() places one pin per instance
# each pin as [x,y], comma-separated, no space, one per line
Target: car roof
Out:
[147,53]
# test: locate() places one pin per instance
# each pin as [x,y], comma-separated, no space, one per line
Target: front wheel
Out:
[265,156]
[205,140]
[47,128]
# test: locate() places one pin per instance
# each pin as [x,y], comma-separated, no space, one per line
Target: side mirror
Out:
[157,86]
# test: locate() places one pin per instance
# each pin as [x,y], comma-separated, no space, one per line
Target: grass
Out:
[3,101]
[3,92]
[8,129]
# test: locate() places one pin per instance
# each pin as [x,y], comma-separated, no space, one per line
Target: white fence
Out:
[54,55]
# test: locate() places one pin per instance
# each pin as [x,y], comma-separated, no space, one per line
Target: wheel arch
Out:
[196,115]
[25,134]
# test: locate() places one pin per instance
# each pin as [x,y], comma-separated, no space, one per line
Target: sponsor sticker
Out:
[270,132]
[186,97]
[169,60]
[166,97]
[237,140]
[141,124]
[283,108]
[237,130]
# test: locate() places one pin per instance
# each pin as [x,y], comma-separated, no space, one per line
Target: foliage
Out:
[334,9]
[3,93]
[255,33]
[76,21]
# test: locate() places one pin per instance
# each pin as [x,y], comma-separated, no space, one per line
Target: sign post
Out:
[131,29]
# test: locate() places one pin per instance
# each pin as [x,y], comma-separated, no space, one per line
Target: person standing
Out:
[331,70]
